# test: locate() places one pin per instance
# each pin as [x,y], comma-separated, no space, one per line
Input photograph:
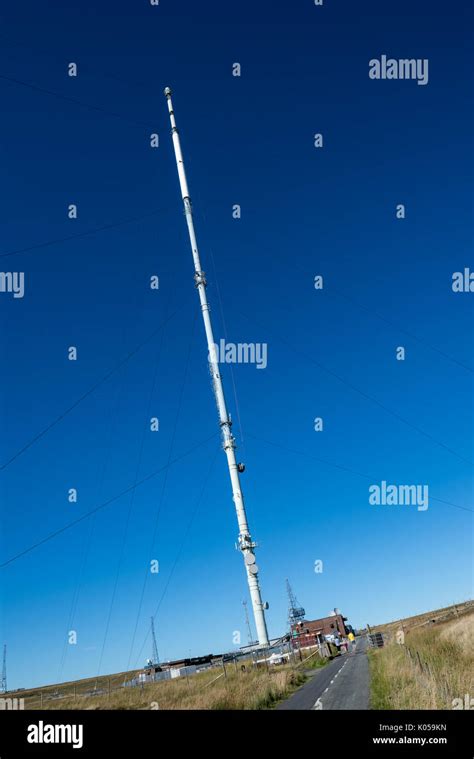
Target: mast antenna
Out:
[156,659]
[3,686]
[245,542]
[296,612]
[247,622]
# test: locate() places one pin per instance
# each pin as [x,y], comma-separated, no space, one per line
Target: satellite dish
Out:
[249,558]
[253,569]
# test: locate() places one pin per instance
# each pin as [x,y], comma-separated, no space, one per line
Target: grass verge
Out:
[433,667]
[253,689]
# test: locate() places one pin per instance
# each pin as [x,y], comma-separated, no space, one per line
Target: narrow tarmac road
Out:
[341,684]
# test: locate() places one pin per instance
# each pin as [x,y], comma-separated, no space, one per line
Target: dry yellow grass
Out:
[435,666]
[252,689]
[461,631]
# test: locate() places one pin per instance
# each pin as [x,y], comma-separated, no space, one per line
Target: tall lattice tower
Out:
[247,622]
[3,686]
[155,656]
[295,612]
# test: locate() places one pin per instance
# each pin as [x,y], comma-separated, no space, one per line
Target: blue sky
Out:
[247,140]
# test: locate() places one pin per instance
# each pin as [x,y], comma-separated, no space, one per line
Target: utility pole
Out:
[156,659]
[3,686]
[246,544]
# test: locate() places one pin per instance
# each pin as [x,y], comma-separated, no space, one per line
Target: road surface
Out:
[341,684]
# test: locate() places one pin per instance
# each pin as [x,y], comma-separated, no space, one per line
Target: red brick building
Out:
[311,632]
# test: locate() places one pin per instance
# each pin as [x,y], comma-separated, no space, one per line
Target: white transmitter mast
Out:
[246,544]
